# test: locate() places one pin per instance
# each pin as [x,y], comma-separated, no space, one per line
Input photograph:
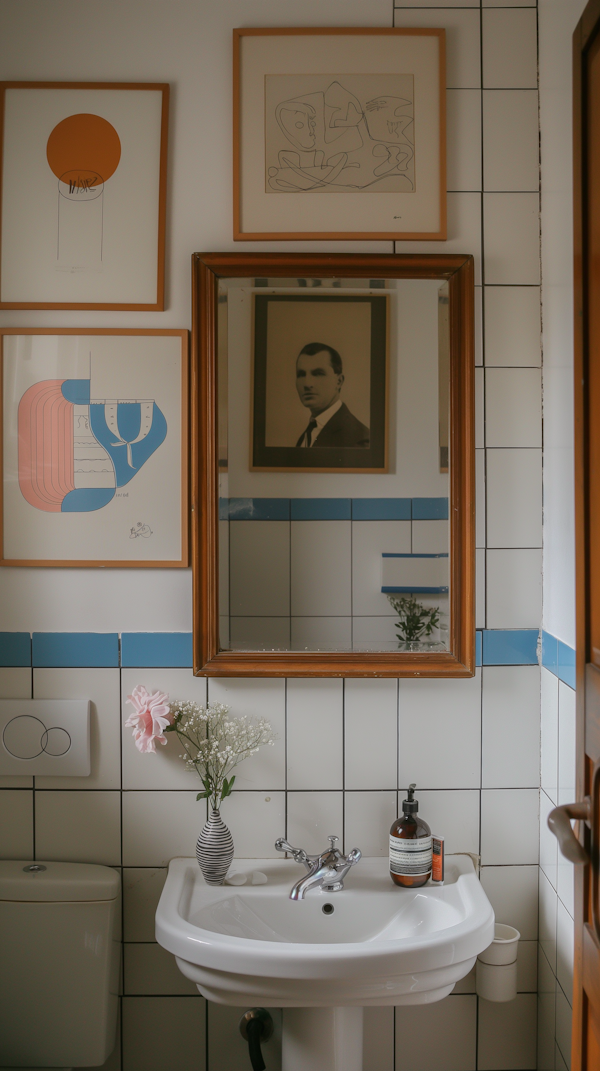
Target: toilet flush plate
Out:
[45,737]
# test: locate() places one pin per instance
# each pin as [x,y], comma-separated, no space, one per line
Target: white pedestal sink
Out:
[251,946]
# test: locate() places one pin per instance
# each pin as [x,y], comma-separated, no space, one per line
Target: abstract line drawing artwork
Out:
[344,133]
[83,152]
[75,451]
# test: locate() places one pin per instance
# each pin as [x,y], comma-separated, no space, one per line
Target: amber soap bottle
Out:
[410,846]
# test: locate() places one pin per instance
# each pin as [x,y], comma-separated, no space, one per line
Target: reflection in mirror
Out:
[334,464]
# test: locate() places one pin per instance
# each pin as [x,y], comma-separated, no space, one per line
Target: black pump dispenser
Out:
[410,805]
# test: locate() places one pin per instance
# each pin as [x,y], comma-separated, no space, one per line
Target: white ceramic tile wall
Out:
[514,588]
[512,326]
[557,23]
[510,754]
[432,729]
[518,110]
[556,894]
[514,498]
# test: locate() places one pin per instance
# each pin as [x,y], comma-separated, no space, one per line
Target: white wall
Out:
[557,20]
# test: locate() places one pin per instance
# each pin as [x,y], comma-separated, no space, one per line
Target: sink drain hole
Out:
[328,909]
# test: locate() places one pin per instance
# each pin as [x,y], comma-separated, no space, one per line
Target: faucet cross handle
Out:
[298,854]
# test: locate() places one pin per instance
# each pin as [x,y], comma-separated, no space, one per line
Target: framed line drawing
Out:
[83,168]
[339,133]
[94,447]
[319,392]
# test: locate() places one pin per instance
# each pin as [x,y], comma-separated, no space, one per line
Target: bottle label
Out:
[410,857]
[437,862]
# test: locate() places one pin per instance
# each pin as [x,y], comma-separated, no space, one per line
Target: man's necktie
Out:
[308,433]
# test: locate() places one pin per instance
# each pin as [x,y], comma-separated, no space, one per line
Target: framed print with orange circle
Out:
[83,175]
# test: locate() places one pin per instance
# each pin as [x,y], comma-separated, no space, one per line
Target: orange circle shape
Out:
[84,142]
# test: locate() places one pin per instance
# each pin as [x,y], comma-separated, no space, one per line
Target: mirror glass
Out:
[334,467]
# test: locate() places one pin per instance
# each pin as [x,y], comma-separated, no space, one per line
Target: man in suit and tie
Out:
[319,381]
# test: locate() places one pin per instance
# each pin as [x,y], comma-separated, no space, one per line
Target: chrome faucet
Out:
[326,871]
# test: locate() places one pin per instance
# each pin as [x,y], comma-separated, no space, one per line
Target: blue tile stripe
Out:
[494,647]
[75,649]
[566,664]
[333,509]
[510,647]
[550,652]
[165,649]
[558,658]
[15,649]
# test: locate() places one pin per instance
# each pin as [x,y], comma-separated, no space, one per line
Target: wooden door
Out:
[585,850]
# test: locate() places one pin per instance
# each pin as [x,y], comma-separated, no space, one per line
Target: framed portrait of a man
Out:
[320,383]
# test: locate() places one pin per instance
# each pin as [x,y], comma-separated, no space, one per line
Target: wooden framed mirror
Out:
[333,488]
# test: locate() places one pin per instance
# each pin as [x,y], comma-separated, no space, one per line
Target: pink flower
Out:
[151,717]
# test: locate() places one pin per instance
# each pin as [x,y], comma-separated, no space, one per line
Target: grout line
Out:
[258,791]
[33,839]
[397,740]
[344,765]
[285,756]
[121,838]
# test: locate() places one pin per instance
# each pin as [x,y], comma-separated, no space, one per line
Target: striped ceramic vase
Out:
[214,850]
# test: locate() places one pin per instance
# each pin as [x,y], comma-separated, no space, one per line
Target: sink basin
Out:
[251,945]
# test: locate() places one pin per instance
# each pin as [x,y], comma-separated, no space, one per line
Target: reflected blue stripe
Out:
[259,509]
[430,509]
[321,509]
[381,509]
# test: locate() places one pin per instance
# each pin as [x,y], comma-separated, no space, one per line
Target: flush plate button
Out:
[45,737]
[26,737]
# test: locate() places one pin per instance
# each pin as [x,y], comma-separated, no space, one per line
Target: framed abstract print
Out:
[83,174]
[319,398]
[339,133]
[94,448]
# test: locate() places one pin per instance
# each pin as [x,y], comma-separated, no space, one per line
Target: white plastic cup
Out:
[496,975]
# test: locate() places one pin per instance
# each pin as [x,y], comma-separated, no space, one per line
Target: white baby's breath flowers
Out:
[215,744]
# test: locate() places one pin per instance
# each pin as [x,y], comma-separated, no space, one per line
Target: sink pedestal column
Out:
[322,1039]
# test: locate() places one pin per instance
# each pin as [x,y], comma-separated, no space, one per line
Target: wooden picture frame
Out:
[209,269]
[83,175]
[353,439]
[93,424]
[339,135]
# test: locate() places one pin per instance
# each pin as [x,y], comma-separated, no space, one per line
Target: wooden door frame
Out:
[586,31]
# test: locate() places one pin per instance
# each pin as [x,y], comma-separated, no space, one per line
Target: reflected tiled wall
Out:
[307,573]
